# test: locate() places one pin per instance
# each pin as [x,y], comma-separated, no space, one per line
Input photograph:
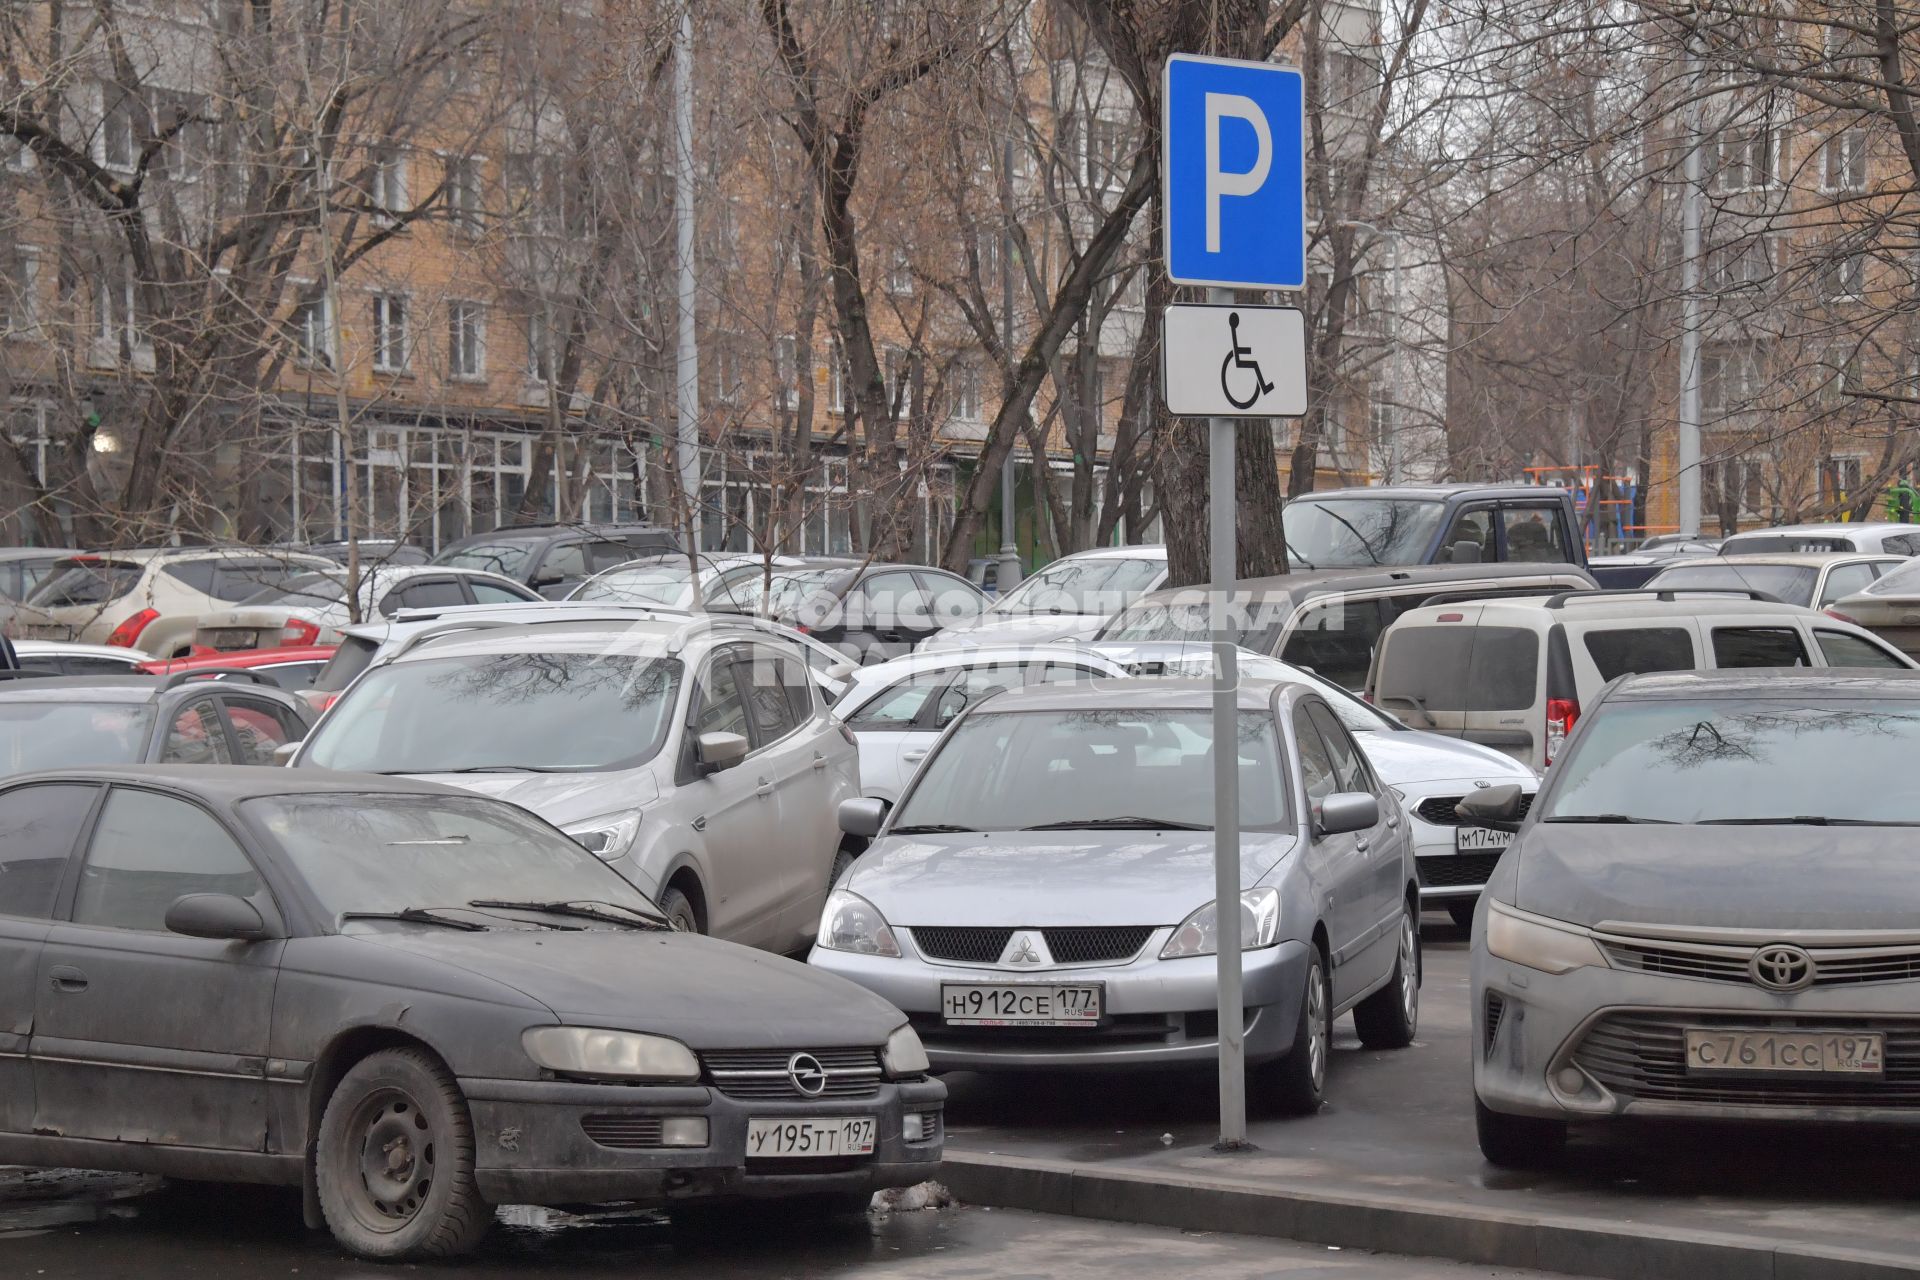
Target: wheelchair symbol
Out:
[1240,358]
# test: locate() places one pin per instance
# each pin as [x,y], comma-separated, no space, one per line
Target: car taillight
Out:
[299,633]
[1561,713]
[127,634]
[1835,613]
[318,700]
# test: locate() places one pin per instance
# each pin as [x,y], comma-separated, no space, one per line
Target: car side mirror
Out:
[1347,811]
[1496,808]
[1465,551]
[840,670]
[286,751]
[216,915]
[862,816]
[717,751]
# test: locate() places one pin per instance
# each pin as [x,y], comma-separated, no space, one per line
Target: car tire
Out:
[1297,1083]
[1389,1017]
[394,1162]
[842,862]
[678,908]
[1518,1142]
[1461,909]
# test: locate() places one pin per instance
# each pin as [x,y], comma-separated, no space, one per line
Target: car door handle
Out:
[914,757]
[1392,822]
[764,789]
[1362,845]
[819,761]
[67,978]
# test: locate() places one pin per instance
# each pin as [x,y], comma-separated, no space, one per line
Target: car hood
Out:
[707,993]
[1063,877]
[1036,628]
[1417,758]
[1720,877]
[560,798]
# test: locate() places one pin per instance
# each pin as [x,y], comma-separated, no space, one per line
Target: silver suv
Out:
[697,759]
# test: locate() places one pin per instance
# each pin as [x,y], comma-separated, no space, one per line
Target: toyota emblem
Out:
[809,1078]
[1781,967]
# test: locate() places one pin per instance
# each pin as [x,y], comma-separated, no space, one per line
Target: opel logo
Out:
[808,1076]
[1781,967]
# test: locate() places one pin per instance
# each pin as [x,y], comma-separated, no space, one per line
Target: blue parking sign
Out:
[1234,170]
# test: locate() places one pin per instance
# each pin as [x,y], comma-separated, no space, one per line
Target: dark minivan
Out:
[1433,524]
[553,559]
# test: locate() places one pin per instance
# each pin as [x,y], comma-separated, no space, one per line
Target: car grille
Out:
[1644,1056]
[1439,809]
[622,1132]
[1456,870]
[762,1073]
[1097,944]
[1832,966]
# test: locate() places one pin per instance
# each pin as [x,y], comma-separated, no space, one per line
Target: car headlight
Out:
[609,837]
[1199,933]
[851,923]
[1538,943]
[622,1055]
[905,1055]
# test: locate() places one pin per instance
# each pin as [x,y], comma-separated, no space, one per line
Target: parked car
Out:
[1865,536]
[311,609]
[869,612]
[1811,579]
[1678,544]
[1514,674]
[697,760]
[553,559]
[1746,951]
[373,551]
[150,600]
[71,721]
[1329,620]
[669,581]
[65,658]
[1889,607]
[1041,895]
[336,999]
[1433,524]
[292,667]
[1070,599]
[24,568]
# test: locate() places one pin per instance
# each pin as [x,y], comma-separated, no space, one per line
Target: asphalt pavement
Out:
[1399,1130]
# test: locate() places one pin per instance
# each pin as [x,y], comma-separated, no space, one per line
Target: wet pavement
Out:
[1401,1124]
[89,1227]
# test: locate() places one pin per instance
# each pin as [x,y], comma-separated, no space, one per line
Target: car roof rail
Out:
[1665,595]
[177,678]
[1504,592]
[558,614]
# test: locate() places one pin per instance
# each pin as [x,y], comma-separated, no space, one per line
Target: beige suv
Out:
[150,600]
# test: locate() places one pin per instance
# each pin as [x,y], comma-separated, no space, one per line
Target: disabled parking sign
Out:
[1229,361]
[1234,170]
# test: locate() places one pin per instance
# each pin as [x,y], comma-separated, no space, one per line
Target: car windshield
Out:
[1769,543]
[511,559]
[667,585]
[64,735]
[1721,760]
[502,712]
[303,591]
[1014,770]
[1185,618]
[1792,583]
[1348,533]
[387,853]
[1098,584]
[790,589]
[83,582]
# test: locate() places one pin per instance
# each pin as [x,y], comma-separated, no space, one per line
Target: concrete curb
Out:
[1402,1225]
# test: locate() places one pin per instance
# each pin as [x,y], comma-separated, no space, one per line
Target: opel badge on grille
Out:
[808,1076]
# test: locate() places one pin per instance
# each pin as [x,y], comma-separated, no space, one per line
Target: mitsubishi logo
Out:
[1781,967]
[808,1077]
[1026,949]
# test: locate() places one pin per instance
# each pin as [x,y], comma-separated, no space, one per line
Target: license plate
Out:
[1020,1005]
[1480,839]
[782,1139]
[1832,1053]
[228,641]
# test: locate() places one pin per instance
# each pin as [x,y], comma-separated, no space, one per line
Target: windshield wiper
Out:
[605,912]
[932,829]
[1126,823]
[493,768]
[1614,818]
[1802,820]
[417,915]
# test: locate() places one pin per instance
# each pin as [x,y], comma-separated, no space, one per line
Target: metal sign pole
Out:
[1221,514]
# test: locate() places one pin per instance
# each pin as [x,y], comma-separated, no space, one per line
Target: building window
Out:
[1842,275]
[837,379]
[119,145]
[1844,161]
[965,382]
[466,340]
[114,310]
[1109,153]
[785,362]
[727,382]
[900,277]
[1742,158]
[1730,380]
[1842,366]
[540,362]
[989,253]
[466,206]
[1739,265]
[313,334]
[390,332]
[899,368]
[1839,480]
[387,183]
[20,303]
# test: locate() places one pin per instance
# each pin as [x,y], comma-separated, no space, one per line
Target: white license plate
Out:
[1832,1053]
[230,641]
[1480,839]
[770,1139]
[1020,1005]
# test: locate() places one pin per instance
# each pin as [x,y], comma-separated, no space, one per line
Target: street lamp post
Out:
[1007,576]
[1394,472]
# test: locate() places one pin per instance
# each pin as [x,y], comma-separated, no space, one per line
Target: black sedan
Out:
[413,1002]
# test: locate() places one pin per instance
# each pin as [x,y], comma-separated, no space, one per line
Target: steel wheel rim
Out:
[683,919]
[1317,1028]
[1409,972]
[394,1165]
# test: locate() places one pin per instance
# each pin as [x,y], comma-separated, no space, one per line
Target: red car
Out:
[292,668]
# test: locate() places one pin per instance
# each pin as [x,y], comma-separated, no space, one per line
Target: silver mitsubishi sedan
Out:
[1041,896]
[1710,913]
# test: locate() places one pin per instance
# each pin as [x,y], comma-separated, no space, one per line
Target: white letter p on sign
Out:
[1221,184]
